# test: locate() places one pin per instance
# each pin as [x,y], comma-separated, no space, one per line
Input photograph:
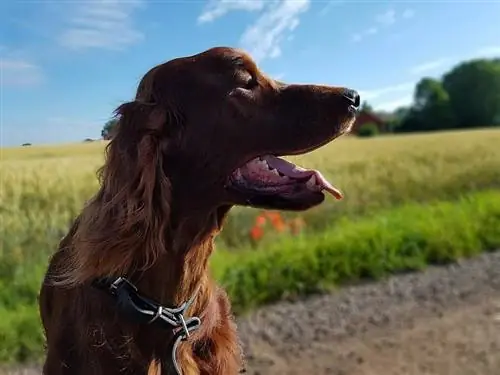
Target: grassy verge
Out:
[395,240]
[402,239]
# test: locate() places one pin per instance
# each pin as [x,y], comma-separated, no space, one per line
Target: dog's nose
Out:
[352,96]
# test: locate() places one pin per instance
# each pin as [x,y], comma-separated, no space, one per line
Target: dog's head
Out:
[203,133]
[214,125]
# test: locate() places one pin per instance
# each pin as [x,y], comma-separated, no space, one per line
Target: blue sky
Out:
[65,65]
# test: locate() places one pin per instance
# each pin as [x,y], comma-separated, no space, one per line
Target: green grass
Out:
[367,234]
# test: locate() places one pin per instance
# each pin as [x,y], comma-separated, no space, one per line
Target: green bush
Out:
[368,130]
[20,334]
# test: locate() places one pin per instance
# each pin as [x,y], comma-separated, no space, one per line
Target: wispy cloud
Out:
[274,25]
[329,5]
[387,18]
[392,105]
[438,65]
[102,24]
[429,66]
[217,8]
[377,93]
[382,20]
[263,39]
[19,72]
[489,51]
[392,97]
[358,37]
[278,76]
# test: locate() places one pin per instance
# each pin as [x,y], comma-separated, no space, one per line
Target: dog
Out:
[129,291]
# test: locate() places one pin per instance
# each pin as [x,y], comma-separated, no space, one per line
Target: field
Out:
[432,193]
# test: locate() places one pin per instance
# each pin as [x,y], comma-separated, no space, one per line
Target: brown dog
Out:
[203,134]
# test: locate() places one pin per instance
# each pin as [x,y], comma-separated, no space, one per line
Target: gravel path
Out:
[443,321]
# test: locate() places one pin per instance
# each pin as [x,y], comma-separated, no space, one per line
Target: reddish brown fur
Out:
[161,202]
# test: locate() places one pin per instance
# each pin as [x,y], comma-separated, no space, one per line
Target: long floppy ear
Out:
[124,227]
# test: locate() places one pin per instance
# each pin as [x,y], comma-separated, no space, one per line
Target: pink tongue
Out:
[287,168]
[291,170]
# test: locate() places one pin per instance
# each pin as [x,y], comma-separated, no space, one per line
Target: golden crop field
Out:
[43,188]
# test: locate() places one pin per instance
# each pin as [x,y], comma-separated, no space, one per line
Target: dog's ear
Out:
[135,155]
[126,224]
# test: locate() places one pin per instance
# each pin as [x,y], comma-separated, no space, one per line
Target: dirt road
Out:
[444,321]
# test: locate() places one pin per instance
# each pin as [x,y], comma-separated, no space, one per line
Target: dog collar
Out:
[143,310]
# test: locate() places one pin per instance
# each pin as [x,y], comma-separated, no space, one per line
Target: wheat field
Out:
[44,187]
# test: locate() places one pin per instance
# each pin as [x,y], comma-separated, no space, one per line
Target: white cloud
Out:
[489,51]
[278,76]
[218,8]
[264,37]
[329,5]
[106,24]
[408,13]
[358,37]
[429,66]
[391,105]
[441,64]
[387,18]
[377,93]
[392,97]
[19,72]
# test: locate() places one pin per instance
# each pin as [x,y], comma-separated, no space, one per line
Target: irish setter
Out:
[204,133]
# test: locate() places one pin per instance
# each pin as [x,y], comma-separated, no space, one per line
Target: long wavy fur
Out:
[126,225]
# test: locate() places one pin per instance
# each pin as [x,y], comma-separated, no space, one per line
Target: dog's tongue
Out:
[293,171]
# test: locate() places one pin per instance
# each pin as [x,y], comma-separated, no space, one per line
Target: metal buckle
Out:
[157,314]
[185,335]
[119,283]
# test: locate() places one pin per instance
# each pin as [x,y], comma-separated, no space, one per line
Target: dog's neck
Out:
[164,250]
[182,269]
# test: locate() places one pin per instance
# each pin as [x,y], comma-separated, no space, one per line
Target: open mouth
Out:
[271,175]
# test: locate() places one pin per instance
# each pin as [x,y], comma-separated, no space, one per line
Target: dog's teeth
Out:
[311,183]
[237,174]
[275,172]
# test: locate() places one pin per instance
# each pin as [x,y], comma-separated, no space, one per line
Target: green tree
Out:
[431,109]
[109,128]
[365,107]
[474,90]
[433,104]
[397,118]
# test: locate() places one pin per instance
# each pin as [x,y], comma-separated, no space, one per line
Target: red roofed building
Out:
[368,117]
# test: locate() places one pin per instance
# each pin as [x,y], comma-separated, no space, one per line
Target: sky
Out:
[66,65]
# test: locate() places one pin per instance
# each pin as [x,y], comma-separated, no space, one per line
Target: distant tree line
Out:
[109,128]
[467,96]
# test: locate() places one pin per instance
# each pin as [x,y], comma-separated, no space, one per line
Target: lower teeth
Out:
[311,184]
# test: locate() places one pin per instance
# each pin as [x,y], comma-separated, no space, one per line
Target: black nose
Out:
[352,96]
